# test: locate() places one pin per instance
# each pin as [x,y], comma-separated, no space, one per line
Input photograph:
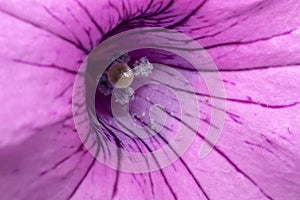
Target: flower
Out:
[255,46]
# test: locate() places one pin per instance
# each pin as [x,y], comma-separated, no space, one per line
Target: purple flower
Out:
[255,45]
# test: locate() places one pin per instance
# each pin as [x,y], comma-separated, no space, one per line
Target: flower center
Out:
[120,75]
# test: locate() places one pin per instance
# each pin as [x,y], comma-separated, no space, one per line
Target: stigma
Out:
[120,75]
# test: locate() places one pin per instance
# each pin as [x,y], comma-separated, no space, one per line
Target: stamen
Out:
[142,67]
[121,76]
[104,85]
[124,95]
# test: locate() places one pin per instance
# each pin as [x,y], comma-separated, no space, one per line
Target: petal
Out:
[254,44]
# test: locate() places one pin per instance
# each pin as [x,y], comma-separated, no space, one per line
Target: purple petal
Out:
[255,46]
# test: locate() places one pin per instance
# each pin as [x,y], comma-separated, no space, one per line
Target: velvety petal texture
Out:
[255,45]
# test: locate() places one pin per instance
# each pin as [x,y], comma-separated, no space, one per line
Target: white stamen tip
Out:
[142,67]
[123,95]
